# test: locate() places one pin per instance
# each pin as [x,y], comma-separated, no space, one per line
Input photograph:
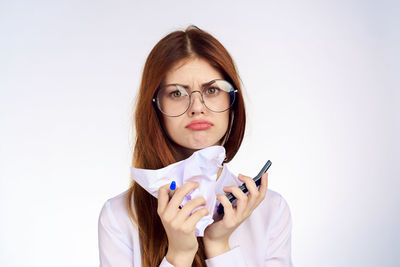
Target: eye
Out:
[212,90]
[176,94]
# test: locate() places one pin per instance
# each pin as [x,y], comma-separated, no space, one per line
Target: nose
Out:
[197,104]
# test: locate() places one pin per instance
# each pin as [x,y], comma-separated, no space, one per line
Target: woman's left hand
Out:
[216,235]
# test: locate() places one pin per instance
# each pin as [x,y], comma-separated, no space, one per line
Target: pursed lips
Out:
[199,125]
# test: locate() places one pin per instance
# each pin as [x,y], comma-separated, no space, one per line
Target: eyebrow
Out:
[187,86]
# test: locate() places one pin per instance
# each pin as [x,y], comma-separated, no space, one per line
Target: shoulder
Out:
[114,217]
[116,208]
[274,199]
[274,208]
[269,223]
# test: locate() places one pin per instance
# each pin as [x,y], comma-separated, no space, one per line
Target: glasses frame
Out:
[157,102]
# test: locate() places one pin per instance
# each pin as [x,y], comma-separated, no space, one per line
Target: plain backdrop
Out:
[321,81]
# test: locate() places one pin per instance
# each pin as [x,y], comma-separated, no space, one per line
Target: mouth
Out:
[199,125]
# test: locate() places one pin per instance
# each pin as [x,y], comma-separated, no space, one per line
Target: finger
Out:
[250,184]
[190,206]
[195,218]
[264,185]
[163,198]
[180,193]
[241,197]
[228,208]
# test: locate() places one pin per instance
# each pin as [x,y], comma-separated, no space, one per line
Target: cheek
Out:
[227,118]
[172,127]
[224,122]
[168,126]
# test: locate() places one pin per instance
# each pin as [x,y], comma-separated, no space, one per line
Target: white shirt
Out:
[263,239]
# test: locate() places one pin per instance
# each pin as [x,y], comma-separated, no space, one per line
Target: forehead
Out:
[193,71]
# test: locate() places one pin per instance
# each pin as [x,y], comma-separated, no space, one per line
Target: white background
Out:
[322,92]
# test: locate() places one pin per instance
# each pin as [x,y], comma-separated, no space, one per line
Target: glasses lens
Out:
[173,100]
[219,96]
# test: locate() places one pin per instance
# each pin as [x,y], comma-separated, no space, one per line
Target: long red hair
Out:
[153,148]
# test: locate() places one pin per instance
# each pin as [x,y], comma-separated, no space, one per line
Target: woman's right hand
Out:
[180,223]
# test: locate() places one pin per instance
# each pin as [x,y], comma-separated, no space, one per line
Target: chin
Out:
[198,147]
[201,146]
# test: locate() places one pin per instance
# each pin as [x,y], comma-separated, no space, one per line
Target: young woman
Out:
[190,98]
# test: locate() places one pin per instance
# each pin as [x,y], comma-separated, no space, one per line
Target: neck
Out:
[182,153]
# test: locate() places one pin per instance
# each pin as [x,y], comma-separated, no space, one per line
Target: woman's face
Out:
[198,127]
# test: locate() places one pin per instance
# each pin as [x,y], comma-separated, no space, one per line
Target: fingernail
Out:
[172,186]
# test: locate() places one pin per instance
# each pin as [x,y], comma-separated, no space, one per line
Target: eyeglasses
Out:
[174,99]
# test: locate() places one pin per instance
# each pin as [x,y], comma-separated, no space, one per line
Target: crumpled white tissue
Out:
[202,166]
